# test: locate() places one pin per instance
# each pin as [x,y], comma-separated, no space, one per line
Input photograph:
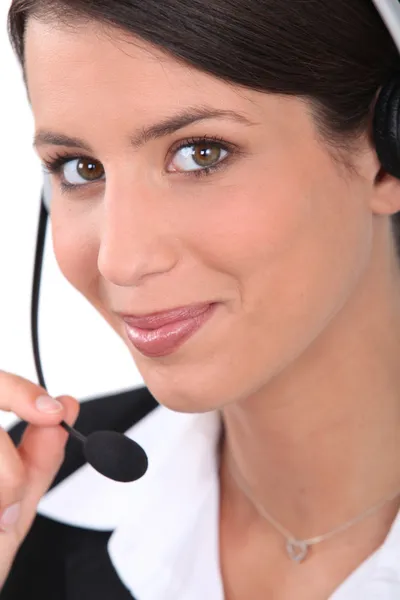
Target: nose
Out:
[137,240]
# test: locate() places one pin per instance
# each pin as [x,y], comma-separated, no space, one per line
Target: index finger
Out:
[18,395]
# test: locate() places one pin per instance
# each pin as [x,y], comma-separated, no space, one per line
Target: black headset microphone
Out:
[115,455]
[112,454]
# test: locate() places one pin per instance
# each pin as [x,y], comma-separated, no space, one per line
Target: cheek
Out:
[75,245]
[294,249]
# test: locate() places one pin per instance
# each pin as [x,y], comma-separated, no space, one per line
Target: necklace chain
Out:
[298,549]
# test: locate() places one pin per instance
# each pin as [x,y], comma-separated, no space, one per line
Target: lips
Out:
[159,319]
[178,325]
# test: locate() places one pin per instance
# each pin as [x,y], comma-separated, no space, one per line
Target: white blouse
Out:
[165,526]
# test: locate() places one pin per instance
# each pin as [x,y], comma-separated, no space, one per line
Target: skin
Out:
[301,355]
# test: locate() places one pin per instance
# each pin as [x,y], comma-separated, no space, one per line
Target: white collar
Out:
[168,519]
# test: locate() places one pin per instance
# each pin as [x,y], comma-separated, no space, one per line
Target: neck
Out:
[319,444]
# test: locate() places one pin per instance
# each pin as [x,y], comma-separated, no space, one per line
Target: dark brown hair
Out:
[335,54]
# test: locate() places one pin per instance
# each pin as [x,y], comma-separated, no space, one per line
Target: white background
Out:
[81,355]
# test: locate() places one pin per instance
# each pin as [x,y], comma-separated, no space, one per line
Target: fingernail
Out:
[10,516]
[47,404]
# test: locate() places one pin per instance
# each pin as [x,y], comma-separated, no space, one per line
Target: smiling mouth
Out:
[164,339]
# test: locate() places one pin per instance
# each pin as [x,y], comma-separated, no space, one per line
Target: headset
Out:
[386,135]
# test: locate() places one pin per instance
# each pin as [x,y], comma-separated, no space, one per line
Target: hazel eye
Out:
[198,156]
[82,170]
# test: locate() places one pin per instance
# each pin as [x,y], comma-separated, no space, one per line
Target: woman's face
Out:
[275,232]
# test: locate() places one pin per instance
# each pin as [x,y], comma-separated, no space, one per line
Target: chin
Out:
[194,390]
[182,401]
[200,381]
[181,387]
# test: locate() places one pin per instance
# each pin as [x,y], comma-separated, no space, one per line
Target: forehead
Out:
[71,68]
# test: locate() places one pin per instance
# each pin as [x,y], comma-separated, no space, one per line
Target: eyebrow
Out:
[142,136]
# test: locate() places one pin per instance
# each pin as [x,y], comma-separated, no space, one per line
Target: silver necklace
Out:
[296,549]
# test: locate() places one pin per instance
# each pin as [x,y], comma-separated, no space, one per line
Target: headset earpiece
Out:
[386,126]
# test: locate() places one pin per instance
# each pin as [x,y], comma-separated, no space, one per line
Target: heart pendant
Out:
[296,550]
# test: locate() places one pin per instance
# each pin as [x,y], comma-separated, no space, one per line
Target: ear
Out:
[385,197]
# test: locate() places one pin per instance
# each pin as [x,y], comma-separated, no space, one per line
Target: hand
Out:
[26,472]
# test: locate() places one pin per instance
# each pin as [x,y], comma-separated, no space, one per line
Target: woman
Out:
[217,160]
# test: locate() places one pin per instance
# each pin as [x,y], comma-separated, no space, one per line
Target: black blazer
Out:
[62,562]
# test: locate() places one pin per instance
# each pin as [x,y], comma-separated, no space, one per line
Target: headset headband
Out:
[390,13]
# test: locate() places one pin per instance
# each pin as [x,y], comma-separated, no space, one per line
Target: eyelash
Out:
[54,164]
